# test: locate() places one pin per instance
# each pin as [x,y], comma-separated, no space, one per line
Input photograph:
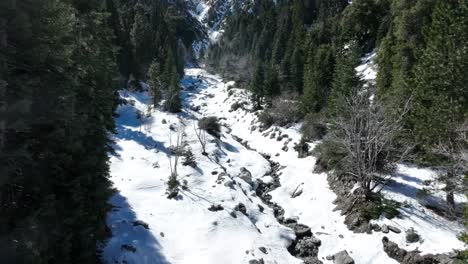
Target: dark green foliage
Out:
[257,86]
[271,86]
[155,82]
[314,127]
[317,79]
[440,91]
[379,206]
[345,79]
[211,125]
[57,69]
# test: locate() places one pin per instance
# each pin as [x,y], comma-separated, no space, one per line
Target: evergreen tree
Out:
[272,87]
[440,95]
[317,79]
[257,85]
[346,82]
[155,82]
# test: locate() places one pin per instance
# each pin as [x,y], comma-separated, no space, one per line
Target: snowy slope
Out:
[185,231]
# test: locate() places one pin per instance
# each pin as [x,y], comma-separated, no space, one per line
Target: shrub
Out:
[283,111]
[211,125]
[329,154]
[314,127]
[378,206]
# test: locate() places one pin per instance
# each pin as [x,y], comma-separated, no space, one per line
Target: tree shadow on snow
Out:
[141,138]
[130,243]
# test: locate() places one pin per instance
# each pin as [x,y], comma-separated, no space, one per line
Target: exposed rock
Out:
[260,208]
[376,227]
[385,229]
[241,208]
[302,231]
[312,260]
[307,247]
[394,229]
[255,261]
[342,257]
[128,248]
[229,184]
[263,250]
[215,208]
[233,214]
[285,148]
[246,176]
[412,236]
[140,223]
[414,257]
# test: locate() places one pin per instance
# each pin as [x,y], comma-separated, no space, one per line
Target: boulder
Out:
[302,231]
[246,175]
[241,208]
[307,247]
[215,208]
[342,257]
[385,229]
[394,229]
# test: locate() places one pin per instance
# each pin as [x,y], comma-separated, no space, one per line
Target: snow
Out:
[184,231]
[368,69]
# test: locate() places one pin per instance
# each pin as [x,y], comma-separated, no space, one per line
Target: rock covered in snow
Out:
[342,257]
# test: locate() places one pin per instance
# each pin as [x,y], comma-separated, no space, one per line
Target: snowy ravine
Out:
[183,230]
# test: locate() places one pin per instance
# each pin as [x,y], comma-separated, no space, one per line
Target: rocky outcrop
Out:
[414,257]
[306,245]
[342,257]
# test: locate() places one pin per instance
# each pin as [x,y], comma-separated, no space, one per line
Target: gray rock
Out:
[241,208]
[302,231]
[385,229]
[229,184]
[307,247]
[263,250]
[261,208]
[141,223]
[394,229]
[246,176]
[342,257]
[312,260]
[215,208]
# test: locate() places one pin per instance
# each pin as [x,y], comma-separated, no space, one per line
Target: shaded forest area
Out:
[61,64]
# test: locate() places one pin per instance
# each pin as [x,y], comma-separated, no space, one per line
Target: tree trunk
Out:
[450,199]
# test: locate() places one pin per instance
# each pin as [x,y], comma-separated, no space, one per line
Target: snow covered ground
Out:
[183,230]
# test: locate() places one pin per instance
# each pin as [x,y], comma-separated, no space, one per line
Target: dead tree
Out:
[366,135]
[201,135]
[454,150]
[176,151]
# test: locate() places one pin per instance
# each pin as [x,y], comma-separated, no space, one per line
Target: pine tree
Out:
[272,87]
[345,79]
[440,97]
[155,82]
[173,102]
[317,79]
[440,108]
[257,86]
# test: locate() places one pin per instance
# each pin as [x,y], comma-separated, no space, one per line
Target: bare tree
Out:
[201,135]
[177,150]
[454,150]
[366,136]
